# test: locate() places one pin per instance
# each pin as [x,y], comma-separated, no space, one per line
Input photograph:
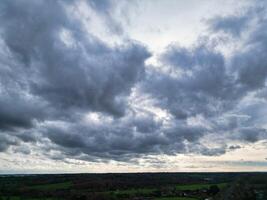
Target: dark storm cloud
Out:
[202,82]
[54,73]
[51,77]
[18,112]
[203,86]
[121,139]
[88,74]
[27,135]
[252,134]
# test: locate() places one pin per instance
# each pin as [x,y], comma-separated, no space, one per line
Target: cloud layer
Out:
[70,94]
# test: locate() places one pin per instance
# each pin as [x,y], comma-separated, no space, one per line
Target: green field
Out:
[199,186]
[54,186]
[175,198]
[121,186]
[134,191]
[130,192]
[145,191]
[19,198]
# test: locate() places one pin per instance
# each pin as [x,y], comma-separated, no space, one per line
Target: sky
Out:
[98,86]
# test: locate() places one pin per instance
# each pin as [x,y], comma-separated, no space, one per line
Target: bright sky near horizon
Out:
[133,86]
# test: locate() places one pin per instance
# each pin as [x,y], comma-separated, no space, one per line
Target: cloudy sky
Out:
[131,86]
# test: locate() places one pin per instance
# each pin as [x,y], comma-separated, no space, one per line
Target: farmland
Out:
[140,186]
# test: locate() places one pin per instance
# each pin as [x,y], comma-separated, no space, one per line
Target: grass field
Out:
[54,186]
[199,186]
[143,191]
[175,198]
[156,186]
[18,198]
[130,192]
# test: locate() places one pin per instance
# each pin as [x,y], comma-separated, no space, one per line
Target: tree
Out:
[214,189]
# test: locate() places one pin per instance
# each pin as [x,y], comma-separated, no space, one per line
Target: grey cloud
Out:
[49,80]
[204,85]
[252,70]
[102,5]
[6,141]
[213,151]
[252,134]
[86,75]
[234,147]
[53,72]
[233,25]
[186,58]
[16,112]
[106,7]
[27,136]
[119,141]
[189,133]
[22,149]
[89,87]
[200,149]
[249,63]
